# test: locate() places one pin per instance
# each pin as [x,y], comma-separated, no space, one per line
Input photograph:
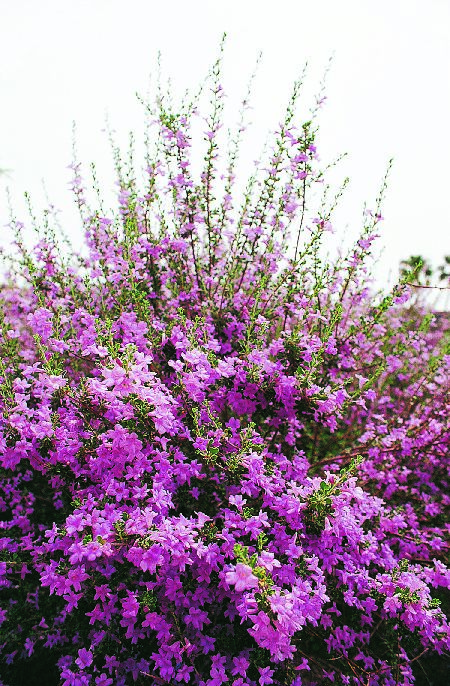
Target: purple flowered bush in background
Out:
[224,457]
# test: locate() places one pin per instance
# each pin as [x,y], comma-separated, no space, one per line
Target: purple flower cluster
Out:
[222,462]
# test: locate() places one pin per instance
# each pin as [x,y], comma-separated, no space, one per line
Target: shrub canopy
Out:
[224,458]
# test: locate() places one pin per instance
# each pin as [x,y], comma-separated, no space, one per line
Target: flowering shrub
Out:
[224,459]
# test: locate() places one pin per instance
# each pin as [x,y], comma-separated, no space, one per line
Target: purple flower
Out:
[240,666]
[84,658]
[103,680]
[265,675]
[242,578]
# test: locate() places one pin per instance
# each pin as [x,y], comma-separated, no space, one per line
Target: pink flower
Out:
[242,578]
[268,561]
[392,604]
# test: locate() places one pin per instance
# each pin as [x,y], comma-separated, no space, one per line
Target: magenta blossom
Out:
[242,578]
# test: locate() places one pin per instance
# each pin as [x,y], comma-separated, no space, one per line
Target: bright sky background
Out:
[388,93]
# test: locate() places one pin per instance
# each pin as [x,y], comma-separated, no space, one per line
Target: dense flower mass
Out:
[224,459]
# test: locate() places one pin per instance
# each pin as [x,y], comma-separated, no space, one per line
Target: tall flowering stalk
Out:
[224,459]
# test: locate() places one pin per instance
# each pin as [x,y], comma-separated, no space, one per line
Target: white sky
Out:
[388,92]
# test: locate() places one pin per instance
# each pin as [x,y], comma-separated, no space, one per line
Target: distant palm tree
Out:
[444,269]
[421,268]
[420,275]
[423,271]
